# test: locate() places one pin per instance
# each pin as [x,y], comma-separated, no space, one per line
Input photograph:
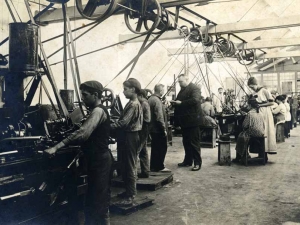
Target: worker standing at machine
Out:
[131,122]
[93,136]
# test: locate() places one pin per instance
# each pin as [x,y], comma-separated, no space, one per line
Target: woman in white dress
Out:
[265,100]
[279,111]
[288,117]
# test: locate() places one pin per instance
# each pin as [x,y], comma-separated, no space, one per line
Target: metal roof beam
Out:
[231,28]
[255,25]
[275,62]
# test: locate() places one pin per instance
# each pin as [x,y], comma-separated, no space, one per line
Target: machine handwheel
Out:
[91,5]
[108,98]
[140,11]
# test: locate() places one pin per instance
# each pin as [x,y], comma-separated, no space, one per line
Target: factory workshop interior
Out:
[149,112]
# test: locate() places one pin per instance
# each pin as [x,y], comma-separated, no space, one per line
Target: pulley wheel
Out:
[208,42]
[140,11]
[223,45]
[162,26]
[195,35]
[184,31]
[108,98]
[87,8]
[246,57]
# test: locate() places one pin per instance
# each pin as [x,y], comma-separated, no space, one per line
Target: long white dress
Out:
[264,96]
[288,116]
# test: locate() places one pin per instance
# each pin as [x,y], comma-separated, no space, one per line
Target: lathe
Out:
[32,185]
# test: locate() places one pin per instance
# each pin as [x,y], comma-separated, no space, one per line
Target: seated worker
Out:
[131,122]
[280,111]
[208,113]
[93,136]
[144,133]
[207,107]
[253,126]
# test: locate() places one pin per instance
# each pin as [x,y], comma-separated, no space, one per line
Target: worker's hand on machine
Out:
[177,102]
[50,151]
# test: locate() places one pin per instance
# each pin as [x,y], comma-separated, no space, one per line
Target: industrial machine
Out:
[33,185]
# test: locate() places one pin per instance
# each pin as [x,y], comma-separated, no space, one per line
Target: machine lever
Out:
[22,193]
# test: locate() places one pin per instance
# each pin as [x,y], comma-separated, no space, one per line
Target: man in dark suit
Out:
[188,115]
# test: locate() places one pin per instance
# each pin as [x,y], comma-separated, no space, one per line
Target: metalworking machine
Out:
[32,185]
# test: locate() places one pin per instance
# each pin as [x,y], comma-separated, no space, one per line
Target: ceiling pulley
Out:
[141,12]
[108,7]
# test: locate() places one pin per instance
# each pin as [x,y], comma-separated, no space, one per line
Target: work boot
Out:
[183,164]
[126,202]
[196,168]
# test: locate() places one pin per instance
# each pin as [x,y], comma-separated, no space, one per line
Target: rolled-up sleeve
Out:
[96,117]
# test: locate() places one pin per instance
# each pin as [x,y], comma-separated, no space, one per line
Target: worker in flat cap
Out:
[130,122]
[93,136]
[265,101]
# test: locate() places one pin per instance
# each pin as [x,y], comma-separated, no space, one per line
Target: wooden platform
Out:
[154,182]
[138,204]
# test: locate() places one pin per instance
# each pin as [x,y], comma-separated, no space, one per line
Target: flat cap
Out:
[92,85]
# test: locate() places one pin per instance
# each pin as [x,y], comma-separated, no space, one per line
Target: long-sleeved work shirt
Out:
[132,117]
[96,117]
[158,115]
[146,111]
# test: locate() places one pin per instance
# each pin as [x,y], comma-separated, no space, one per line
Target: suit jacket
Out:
[189,112]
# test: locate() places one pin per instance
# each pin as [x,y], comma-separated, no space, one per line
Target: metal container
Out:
[23,47]
[68,98]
